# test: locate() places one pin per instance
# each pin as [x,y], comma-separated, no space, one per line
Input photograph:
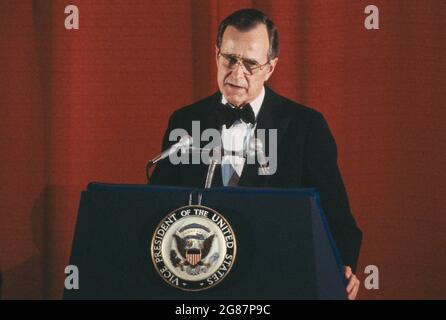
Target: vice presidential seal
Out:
[193,248]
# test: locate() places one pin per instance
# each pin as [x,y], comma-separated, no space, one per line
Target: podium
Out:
[284,246]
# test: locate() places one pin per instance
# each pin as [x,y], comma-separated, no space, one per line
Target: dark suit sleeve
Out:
[165,173]
[322,172]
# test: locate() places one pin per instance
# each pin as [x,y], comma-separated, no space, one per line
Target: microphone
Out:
[257,146]
[184,142]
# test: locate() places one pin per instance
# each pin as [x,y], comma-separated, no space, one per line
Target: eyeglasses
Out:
[249,66]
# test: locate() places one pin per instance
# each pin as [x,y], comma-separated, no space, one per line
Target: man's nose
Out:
[239,70]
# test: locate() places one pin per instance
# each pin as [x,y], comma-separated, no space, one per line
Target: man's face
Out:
[236,83]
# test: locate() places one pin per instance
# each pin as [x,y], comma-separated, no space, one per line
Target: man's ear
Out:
[216,54]
[271,67]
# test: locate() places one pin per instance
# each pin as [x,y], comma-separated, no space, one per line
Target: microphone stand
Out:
[211,170]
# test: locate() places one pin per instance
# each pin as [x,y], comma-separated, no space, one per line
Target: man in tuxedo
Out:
[246,54]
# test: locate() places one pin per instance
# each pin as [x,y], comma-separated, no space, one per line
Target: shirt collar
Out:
[255,104]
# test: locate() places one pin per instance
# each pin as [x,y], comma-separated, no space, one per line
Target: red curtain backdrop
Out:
[92,105]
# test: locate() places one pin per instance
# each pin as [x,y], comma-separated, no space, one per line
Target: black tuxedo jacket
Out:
[306,157]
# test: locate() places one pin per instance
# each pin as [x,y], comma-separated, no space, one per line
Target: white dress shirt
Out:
[236,138]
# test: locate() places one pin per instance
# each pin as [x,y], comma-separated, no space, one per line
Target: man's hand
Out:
[353,283]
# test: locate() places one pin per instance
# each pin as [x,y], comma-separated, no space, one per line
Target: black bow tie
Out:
[228,115]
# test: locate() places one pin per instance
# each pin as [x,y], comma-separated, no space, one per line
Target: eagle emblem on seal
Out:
[193,244]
